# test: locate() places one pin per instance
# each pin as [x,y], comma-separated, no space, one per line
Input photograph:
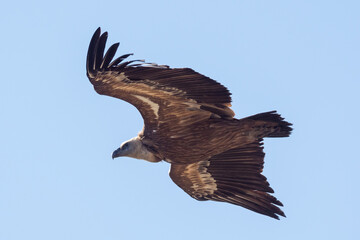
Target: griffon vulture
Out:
[188,123]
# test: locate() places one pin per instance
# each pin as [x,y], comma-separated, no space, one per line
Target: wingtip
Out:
[282,214]
[98,30]
[105,34]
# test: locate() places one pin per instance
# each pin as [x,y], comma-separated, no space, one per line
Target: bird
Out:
[189,123]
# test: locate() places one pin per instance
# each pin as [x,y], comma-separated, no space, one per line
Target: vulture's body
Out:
[188,123]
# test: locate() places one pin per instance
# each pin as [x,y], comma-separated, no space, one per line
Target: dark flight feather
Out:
[118,60]
[109,55]
[90,61]
[100,46]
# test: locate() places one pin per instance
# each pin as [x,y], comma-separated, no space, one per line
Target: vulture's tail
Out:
[272,124]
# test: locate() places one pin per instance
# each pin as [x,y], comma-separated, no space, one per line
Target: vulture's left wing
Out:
[233,176]
[172,97]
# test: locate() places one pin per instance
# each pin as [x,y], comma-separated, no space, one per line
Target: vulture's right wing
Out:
[233,176]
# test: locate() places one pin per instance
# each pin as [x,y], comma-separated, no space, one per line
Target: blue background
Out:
[57,179]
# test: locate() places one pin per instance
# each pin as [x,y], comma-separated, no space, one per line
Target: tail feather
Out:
[281,127]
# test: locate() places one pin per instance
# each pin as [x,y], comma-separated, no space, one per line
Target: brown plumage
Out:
[188,123]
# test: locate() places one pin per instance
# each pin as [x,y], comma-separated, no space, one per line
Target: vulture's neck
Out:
[140,151]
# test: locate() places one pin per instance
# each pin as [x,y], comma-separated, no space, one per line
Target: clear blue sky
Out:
[57,179]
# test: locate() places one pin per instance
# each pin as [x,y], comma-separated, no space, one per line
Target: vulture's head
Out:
[129,148]
[135,148]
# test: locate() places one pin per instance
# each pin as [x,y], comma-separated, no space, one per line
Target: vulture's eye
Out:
[125,146]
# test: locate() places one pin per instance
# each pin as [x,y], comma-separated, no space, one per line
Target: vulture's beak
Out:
[116,153]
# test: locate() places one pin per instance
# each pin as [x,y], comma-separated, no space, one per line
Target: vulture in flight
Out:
[188,123]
